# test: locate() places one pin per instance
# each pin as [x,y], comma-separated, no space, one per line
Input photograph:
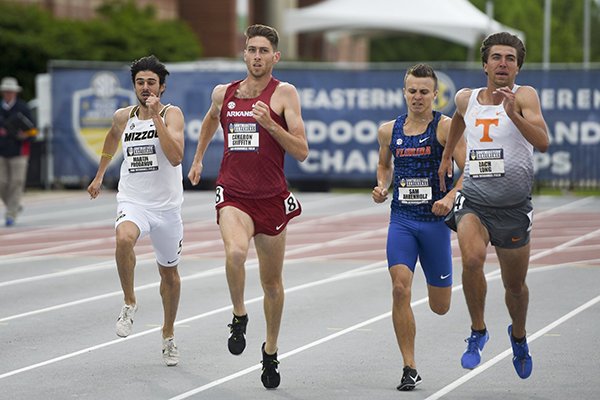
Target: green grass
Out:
[561,192]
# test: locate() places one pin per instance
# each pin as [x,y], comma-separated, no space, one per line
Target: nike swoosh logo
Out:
[515,239]
[171,262]
[444,276]
[278,227]
[424,139]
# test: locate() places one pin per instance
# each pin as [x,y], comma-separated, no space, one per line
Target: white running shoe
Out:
[125,320]
[169,352]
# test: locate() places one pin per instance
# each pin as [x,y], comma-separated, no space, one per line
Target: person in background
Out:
[150,193]
[415,142]
[261,119]
[16,132]
[502,123]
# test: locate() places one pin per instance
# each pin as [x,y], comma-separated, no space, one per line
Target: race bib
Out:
[487,163]
[142,158]
[414,191]
[290,204]
[243,136]
[219,195]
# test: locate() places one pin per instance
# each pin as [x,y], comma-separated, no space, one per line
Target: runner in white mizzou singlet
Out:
[499,163]
[147,177]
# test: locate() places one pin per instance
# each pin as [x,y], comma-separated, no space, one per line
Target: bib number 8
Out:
[290,204]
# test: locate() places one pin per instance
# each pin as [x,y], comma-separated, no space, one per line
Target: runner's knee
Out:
[401,293]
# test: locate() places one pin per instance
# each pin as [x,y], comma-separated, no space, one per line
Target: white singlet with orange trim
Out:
[499,163]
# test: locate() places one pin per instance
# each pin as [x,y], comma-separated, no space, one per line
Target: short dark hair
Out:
[422,71]
[503,39]
[149,63]
[264,31]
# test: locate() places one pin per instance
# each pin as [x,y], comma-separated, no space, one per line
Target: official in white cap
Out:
[16,130]
[10,84]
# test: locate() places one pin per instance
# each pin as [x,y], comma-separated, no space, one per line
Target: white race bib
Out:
[243,136]
[487,163]
[142,158]
[414,191]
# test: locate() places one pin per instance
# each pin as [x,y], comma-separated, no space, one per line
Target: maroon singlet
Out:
[252,164]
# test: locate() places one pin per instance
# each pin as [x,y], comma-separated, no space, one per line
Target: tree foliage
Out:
[30,37]
[402,48]
[566,27]
[526,16]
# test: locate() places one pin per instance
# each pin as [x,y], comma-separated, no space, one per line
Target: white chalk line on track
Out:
[15,257]
[490,277]
[148,256]
[357,272]
[330,337]
[346,275]
[508,352]
[199,275]
[252,264]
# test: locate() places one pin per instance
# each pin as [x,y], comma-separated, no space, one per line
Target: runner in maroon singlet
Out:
[261,121]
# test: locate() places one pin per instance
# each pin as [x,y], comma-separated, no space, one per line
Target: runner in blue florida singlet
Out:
[416,161]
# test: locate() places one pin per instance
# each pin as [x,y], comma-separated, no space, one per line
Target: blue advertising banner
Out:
[342,110]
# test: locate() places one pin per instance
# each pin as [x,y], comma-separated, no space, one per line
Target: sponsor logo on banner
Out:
[93,110]
[444,100]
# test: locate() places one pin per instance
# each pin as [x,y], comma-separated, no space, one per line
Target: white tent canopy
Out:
[453,20]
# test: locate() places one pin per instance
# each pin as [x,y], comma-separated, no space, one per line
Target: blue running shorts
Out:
[428,241]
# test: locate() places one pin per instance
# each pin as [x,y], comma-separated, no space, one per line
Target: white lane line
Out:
[568,206]
[286,355]
[331,279]
[27,255]
[473,373]
[14,372]
[142,258]
[105,222]
[564,245]
[251,264]
[147,258]
[490,277]
[198,275]
[357,272]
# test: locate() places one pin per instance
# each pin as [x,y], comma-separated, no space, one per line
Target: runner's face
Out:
[260,56]
[419,94]
[501,66]
[147,82]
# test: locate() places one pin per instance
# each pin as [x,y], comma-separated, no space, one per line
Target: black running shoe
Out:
[237,337]
[410,379]
[270,374]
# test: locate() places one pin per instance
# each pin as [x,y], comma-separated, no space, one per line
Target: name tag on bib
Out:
[414,191]
[243,137]
[487,163]
[142,158]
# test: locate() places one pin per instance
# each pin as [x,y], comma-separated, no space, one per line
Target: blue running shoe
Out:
[10,221]
[521,357]
[472,355]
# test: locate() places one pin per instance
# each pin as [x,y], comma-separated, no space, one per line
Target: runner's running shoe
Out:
[410,379]
[237,335]
[125,320]
[270,374]
[521,357]
[170,353]
[472,355]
